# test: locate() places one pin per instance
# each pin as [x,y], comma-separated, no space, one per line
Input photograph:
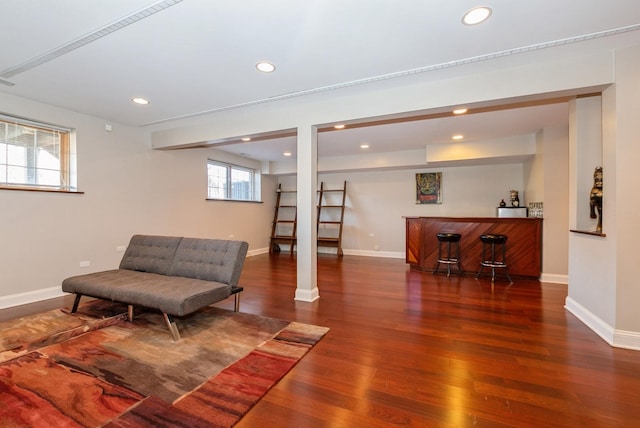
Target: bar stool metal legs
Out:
[495,246]
[452,254]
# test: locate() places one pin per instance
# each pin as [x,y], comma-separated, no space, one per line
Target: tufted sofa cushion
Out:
[209,259]
[153,254]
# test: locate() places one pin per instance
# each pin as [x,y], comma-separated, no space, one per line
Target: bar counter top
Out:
[524,243]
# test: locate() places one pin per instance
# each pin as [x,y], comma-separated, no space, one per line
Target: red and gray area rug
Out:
[93,368]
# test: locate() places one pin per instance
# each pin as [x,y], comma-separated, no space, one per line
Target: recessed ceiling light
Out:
[265,67]
[476,15]
[460,111]
[341,126]
[457,137]
[364,146]
[287,153]
[245,139]
[140,100]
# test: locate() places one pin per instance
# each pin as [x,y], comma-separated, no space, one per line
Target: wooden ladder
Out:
[331,216]
[285,218]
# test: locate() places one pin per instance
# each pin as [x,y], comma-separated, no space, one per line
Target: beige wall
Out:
[555,256]
[603,289]
[131,189]
[378,200]
[627,208]
[534,172]
[128,189]
[546,178]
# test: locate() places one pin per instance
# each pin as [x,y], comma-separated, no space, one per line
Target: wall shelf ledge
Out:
[589,232]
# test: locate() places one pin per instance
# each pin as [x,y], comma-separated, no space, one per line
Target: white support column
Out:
[307,244]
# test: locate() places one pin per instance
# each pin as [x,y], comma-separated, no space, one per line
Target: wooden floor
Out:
[412,349]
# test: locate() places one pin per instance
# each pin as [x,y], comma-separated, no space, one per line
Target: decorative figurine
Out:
[502,203]
[515,200]
[595,198]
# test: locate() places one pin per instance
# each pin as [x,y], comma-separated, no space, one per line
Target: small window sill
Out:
[235,200]
[39,189]
[589,232]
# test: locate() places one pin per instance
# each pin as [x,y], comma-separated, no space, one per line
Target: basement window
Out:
[35,156]
[232,182]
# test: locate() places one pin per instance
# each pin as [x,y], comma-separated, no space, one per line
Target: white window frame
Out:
[36,156]
[229,192]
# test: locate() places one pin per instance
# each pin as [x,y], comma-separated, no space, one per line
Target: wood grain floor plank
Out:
[408,348]
[412,349]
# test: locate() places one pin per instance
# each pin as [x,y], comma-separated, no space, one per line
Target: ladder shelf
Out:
[331,205]
[285,219]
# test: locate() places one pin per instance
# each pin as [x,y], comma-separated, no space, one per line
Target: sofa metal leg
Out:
[76,303]
[236,302]
[130,313]
[173,327]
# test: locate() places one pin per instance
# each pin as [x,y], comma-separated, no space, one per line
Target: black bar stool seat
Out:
[450,241]
[494,255]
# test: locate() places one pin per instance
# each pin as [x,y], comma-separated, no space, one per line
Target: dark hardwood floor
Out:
[413,349]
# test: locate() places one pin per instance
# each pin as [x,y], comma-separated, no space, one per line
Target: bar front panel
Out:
[524,243]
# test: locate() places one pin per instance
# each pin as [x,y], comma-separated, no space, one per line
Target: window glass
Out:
[217,181]
[226,181]
[34,156]
[241,184]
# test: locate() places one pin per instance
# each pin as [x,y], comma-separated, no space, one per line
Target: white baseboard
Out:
[30,297]
[554,278]
[364,253]
[627,339]
[385,254]
[257,252]
[307,295]
[330,250]
[615,338]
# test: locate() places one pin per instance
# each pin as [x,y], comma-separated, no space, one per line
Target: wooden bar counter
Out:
[524,243]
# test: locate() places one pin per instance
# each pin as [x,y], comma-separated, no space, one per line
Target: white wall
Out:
[534,172]
[603,286]
[555,238]
[592,259]
[131,189]
[546,178]
[128,189]
[586,114]
[378,200]
[625,212]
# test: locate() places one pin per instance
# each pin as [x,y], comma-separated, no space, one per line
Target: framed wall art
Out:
[429,188]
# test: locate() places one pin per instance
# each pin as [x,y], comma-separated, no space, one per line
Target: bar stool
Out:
[452,255]
[496,246]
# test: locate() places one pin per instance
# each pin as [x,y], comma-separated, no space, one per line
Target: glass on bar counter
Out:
[535,209]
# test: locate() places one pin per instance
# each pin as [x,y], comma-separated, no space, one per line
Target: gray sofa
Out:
[174,275]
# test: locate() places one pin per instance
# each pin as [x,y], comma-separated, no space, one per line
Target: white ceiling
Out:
[197,56]
[414,135]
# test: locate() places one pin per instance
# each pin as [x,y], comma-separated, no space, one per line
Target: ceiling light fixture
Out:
[457,137]
[476,15]
[287,153]
[140,100]
[460,111]
[341,126]
[246,139]
[415,71]
[265,67]
[364,146]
